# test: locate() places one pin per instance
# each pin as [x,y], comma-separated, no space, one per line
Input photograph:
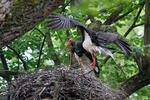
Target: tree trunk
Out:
[52,53]
[146,61]
[19,16]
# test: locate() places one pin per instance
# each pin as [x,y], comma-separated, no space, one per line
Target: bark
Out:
[52,54]
[20,16]
[147,26]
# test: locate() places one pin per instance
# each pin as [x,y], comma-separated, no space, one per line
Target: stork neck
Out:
[86,35]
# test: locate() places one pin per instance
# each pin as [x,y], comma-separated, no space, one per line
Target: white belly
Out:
[92,48]
[87,44]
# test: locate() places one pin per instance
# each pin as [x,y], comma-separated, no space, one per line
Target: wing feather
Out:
[59,22]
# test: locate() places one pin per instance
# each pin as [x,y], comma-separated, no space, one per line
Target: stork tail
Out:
[124,46]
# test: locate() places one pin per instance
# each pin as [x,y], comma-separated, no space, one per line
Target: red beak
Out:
[68,44]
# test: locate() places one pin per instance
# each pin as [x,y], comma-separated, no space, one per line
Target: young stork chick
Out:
[83,57]
[92,42]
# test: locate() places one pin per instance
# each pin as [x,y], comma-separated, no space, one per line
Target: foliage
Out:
[112,73]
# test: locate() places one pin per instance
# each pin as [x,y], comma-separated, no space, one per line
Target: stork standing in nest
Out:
[83,57]
[92,42]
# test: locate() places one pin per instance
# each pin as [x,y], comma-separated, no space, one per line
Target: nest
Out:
[58,84]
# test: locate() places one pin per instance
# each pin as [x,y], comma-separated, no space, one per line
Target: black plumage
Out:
[78,49]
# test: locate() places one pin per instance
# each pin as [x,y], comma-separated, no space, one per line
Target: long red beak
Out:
[68,44]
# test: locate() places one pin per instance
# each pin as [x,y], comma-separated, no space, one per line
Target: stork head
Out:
[68,44]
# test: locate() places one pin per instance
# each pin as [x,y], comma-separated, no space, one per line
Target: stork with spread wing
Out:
[92,42]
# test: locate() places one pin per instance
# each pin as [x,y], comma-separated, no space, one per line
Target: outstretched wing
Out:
[108,38]
[59,22]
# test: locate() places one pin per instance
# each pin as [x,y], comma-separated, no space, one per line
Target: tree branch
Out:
[5,66]
[39,31]
[111,18]
[133,25]
[23,17]
[138,25]
[123,15]
[135,82]
[146,60]
[19,56]
[38,63]
[64,6]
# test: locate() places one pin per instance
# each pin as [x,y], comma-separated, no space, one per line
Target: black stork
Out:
[83,57]
[93,42]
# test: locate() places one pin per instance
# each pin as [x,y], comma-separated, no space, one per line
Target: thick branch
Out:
[111,18]
[19,56]
[147,36]
[23,16]
[135,82]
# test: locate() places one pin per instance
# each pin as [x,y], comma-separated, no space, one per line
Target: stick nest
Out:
[58,84]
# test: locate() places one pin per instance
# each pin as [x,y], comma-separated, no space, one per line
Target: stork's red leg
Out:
[94,63]
[71,55]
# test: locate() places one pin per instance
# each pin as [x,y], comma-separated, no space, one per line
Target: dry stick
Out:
[19,56]
[38,63]
[56,92]
[128,31]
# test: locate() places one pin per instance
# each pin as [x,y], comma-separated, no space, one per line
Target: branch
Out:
[5,66]
[23,17]
[121,16]
[135,83]
[138,25]
[111,18]
[64,6]
[133,25]
[38,63]
[19,56]
[39,31]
